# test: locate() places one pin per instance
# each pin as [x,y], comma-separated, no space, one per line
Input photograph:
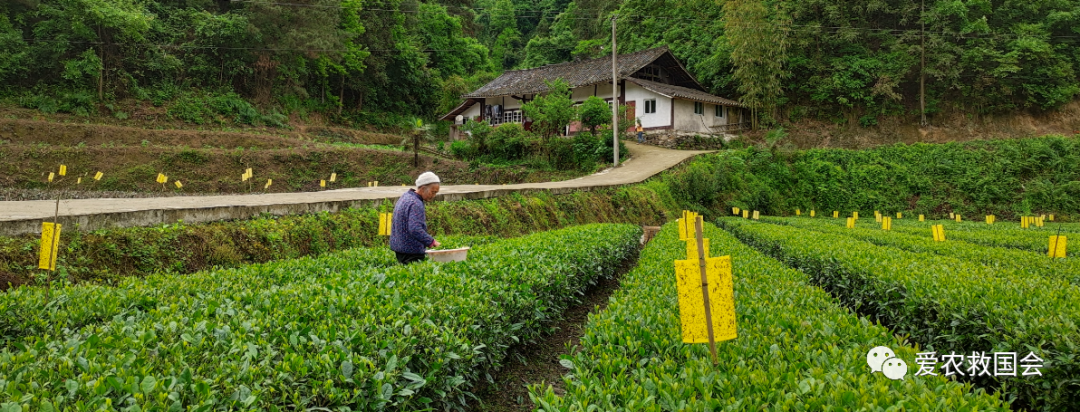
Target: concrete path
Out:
[25,217]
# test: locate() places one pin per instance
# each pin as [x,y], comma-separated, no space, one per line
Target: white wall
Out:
[687,121]
[603,91]
[509,103]
[472,112]
[638,95]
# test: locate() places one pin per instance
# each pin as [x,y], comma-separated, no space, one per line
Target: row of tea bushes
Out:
[797,349]
[339,335]
[943,303]
[990,256]
[999,234]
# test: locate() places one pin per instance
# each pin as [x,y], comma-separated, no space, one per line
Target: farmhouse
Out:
[653,84]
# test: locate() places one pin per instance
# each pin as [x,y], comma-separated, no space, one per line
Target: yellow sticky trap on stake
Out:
[811,212]
[835,214]
[899,215]
[682,229]
[692,303]
[268,183]
[855,215]
[735,211]
[1057,246]
[958,217]
[322,183]
[989,219]
[939,232]
[384,223]
[1023,222]
[368,184]
[51,176]
[333,177]
[691,247]
[78,181]
[161,178]
[250,173]
[1051,217]
[951,215]
[1039,222]
[50,246]
[376,183]
[756,215]
[746,214]
[798,212]
[178,184]
[922,218]
[98,175]
[850,223]
[63,170]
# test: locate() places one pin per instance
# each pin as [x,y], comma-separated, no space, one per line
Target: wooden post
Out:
[705,286]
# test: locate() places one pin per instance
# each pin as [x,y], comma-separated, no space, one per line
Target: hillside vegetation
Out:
[381,62]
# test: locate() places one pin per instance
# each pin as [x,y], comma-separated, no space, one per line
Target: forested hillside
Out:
[257,61]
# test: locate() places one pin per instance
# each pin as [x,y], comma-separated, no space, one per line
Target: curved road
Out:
[25,217]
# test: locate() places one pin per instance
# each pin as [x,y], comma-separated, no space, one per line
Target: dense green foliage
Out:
[336,333]
[915,239]
[356,59]
[112,254]
[797,348]
[943,303]
[1006,178]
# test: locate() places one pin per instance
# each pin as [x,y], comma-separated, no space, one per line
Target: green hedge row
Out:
[331,333]
[922,242]
[797,349]
[108,255]
[944,303]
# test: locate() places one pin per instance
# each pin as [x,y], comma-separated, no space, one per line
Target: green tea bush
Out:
[797,348]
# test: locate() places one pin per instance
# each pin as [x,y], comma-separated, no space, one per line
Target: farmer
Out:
[408,230]
[640,133]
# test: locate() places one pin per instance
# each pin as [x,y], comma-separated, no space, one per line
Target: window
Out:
[650,106]
[719,111]
[699,108]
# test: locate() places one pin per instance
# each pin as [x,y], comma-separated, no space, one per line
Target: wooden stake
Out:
[705,286]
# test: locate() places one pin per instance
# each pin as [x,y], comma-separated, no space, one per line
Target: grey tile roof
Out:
[670,90]
[577,73]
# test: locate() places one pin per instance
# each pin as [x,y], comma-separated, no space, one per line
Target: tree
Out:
[758,51]
[593,113]
[551,112]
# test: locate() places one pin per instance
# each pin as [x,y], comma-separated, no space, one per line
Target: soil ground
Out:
[538,363]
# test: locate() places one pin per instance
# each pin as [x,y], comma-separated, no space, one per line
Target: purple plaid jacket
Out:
[408,230]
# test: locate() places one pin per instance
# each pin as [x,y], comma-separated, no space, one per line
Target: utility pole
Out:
[922,70]
[614,94]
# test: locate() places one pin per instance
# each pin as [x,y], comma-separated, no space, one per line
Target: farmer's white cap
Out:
[426,178]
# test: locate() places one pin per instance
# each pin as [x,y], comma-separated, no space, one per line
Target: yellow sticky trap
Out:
[877,218]
[244,177]
[735,211]
[382,224]
[691,247]
[939,232]
[1039,222]
[78,181]
[682,229]
[322,183]
[1057,246]
[161,178]
[886,223]
[835,214]
[855,215]
[178,184]
[268,183]
[899,215]
[333,177]
[98,175]
[958,218]
[922,218]
[52,176]
[798,212]
[811,212]
[850,223]
[376,183]
[1051,217]
[692,304]
[756,215]
[746,214]
[63,170]
[989,219]
[368,184]
[250,173]
[1024,222]
[50,246]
